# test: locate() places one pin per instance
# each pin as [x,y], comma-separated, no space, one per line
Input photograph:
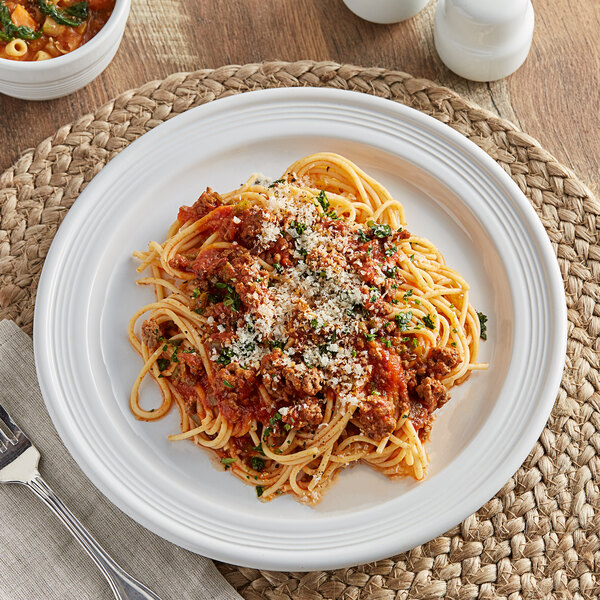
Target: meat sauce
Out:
[230,283]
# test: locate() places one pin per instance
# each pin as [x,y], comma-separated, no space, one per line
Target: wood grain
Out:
[555,96]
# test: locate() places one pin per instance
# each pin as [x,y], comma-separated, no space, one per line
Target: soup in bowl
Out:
[50,48]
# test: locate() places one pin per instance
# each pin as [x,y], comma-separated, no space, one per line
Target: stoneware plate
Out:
[454,194]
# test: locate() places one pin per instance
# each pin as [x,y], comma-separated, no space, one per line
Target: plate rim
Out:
[542,243]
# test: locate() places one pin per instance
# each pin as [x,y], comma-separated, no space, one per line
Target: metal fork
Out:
[18,464]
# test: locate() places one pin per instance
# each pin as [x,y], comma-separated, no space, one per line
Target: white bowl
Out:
[60,76]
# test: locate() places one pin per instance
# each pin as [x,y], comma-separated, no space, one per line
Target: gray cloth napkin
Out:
[38,557]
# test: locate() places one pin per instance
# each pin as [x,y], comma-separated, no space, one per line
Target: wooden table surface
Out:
[554,96]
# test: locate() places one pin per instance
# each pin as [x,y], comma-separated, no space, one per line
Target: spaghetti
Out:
[300,328]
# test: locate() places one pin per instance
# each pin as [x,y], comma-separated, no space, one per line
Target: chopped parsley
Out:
[228,461]
[381,231]
[482,325]
[323,348]
[277,266]
[370,337]
[257,463]
[391,250]
[276,417]
[362,236]
[231,297]
[277,344]
[428,321]
[299,227]
[258,449]
[323,201]
[407,295]
[276,182]
[225,356]
[403,319]
[163,363]
[196,292]
[259,490]
[227,384]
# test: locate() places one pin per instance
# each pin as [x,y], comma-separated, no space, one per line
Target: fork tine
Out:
[5,440]
[12,426]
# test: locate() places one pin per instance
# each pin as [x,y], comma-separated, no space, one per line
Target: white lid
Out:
[483,40]
[485,21]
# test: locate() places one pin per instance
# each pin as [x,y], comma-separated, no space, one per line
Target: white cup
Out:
[60,76]
[385,11]
[483,40]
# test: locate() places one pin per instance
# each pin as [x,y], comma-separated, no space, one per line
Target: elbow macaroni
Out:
[16,48]
[41,55]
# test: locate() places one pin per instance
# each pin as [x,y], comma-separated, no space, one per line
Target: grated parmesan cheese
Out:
[316,296]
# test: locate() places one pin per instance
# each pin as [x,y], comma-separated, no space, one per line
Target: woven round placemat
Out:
[539,536]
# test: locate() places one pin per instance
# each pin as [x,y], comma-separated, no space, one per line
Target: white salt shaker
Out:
[385,11]
[483,40]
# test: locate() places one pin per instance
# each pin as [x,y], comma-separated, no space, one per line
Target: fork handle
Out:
[123,585]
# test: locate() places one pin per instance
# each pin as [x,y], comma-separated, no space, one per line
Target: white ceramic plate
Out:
[454,194]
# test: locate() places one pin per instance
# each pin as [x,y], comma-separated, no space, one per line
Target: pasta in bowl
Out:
[51,48]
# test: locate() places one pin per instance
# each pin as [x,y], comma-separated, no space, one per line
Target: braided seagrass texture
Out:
[539,537]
